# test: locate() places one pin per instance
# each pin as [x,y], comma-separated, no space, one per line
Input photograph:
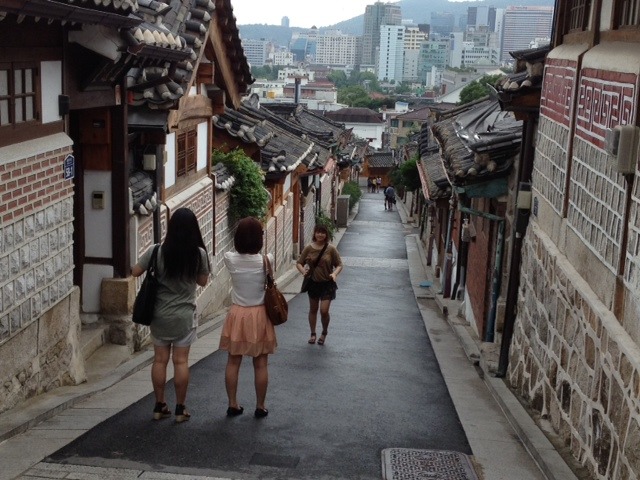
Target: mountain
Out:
[417,10]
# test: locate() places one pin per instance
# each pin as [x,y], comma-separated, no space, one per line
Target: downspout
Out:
[448,255]
[496,282]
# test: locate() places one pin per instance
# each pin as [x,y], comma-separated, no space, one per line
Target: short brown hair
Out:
[248,236]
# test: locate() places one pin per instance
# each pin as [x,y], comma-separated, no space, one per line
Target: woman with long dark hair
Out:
[182,265]
[247,330]
[322,261]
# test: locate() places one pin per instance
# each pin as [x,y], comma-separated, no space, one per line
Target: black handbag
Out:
[145,302]
[274,301]
[307,278]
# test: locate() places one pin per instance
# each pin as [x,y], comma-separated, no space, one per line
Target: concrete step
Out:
[106,359]
[92,337]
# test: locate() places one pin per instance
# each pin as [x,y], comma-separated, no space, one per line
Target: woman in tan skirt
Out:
[247,330]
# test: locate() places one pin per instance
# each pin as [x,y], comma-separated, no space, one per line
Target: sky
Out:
[301,13]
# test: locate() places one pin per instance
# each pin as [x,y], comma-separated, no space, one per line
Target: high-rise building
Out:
[442,23]
[521,25]
[391,61]
[374,16]
[256,51]
[413,39]
[284,22]
[303,45]
[335,48]
[481,16]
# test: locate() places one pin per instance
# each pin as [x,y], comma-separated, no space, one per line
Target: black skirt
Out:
[323,290]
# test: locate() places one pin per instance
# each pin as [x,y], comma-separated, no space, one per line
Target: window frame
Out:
[14,98]
[621,17]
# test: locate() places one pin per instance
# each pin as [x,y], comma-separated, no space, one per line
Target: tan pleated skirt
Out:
[248,331]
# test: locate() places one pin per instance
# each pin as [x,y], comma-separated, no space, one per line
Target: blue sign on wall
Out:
[69,167]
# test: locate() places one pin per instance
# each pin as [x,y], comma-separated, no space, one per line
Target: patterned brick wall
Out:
[36,239]
[632,264]
[550,164]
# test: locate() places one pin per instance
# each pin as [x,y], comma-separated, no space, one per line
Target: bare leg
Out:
[261,371]
[159,371]
[181,373]
[324,319]
[313,313]
[231,379]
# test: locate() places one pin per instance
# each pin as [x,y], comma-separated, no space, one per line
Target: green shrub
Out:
[248,197]
[353,190]
[323,219]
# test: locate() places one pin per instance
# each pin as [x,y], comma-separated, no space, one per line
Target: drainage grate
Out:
[414,464]
[270,460]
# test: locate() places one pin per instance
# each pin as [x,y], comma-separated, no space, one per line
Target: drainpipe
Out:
[496,282]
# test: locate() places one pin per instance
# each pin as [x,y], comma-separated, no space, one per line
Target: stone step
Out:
[92,337]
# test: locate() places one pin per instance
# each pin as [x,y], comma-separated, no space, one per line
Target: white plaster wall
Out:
[51,88]
[170,165]
[92,276]
[97,222]
[203,138]
[369,131]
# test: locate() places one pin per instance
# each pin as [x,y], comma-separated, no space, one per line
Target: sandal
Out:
[234,412]
[161,411]
[261,412]
[181,413]
[322,338]
[312,339]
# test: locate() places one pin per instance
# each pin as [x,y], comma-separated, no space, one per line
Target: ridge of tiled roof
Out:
[433,176]
[381,159]
[422,113]
[480,143]
[355,114]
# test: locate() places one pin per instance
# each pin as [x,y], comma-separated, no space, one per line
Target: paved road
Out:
[375,384]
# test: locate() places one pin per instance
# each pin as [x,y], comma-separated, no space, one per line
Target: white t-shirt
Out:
[247,277]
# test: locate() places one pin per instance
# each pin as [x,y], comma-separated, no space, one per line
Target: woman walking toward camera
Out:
[322,263]
[247,330]
[182,265]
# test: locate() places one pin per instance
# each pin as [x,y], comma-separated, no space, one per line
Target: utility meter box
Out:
[342,210]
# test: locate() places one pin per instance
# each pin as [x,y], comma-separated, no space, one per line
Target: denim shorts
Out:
[185,341]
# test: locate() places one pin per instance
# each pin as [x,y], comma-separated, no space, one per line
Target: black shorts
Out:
[323,290]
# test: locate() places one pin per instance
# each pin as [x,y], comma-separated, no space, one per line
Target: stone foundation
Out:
[44,355]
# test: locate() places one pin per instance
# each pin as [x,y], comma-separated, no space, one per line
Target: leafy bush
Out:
[248,197]
[353,190]
[323,219]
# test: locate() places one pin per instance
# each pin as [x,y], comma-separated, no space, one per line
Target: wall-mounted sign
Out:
[535,206]
[69,167]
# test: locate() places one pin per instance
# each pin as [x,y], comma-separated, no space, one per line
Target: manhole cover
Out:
[270,460]
[414,464]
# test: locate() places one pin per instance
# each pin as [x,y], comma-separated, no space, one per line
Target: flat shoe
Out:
[321,339]
[312,339]
[261,412]
[234,412]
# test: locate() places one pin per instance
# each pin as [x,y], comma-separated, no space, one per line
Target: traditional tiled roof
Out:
[224,179]
[433,176]
[321,129]
[528,71]
[420,114]
[355,115]
[111,13]
[282,148]
[479,143]
[381,160]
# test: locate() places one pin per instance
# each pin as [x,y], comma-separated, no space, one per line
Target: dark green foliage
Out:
[248,197]
[406,175]
[477,89]
[323,219]
[354,192]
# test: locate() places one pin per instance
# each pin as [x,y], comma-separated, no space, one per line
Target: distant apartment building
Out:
[375,16]
[481,17]
[521,25]
[414,37]
[335,48]
[433,58]
[256,51]
[285,73]
[442,23]
[473,48]
[282,57]
[391,60]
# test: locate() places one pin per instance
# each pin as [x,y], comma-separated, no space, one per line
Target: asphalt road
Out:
[375,384]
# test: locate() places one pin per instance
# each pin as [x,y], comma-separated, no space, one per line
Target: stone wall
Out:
[575,364]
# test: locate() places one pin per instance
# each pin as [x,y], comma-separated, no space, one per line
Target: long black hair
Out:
[180,251]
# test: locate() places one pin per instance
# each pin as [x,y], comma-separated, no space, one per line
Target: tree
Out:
[354,96]
[478,88]
[338,78]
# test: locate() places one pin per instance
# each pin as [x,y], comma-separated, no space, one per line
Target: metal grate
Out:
[414,464]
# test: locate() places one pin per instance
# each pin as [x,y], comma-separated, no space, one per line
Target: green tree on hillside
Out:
[477,89]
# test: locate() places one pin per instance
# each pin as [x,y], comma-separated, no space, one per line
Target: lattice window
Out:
[186,152]
[627,13]
[18,94]
[579,15]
